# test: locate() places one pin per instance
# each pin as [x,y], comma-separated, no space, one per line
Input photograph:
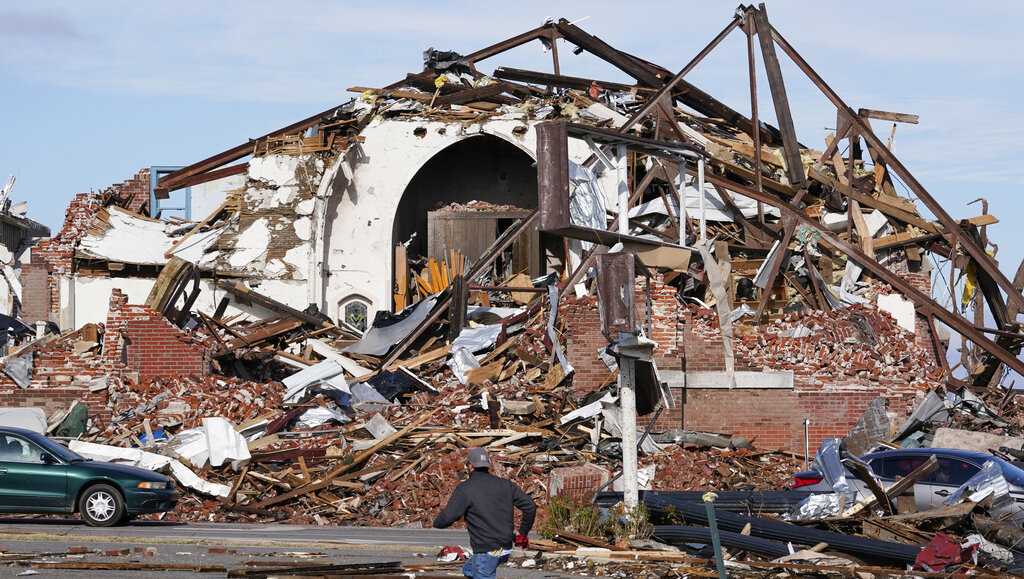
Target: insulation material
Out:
[130,238]
[319,416]
[586,207]
[148,461]
[461,362]
[378,340]
[216,441]
[328,372]
[477,339]
[33,419]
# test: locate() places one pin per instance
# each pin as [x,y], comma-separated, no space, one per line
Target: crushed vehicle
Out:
[954,469]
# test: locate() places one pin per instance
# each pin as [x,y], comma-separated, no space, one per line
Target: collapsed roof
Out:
[760,196]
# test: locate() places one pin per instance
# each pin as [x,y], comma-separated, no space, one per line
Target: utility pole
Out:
[630,348]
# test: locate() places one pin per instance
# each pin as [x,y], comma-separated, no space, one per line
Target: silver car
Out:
[955,467]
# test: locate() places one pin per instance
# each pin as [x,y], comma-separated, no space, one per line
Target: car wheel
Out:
[101,506]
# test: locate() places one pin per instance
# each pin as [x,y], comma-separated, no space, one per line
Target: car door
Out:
[27,482]
[947,477]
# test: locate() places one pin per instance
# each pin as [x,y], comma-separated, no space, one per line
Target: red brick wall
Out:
[135,340]
[35,304]
[57,253]
[149,344]
[773,418]
[52,400]
[583,340]
[836,372]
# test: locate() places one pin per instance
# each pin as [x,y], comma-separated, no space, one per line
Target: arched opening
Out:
[500,177]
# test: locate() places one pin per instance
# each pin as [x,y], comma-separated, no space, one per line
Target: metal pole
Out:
[716,541]
[627,403]
[700,191]
[682,203]
[807,442]
[622,188]
[756,132]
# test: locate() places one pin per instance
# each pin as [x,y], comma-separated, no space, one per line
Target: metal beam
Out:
[508,44]
[927,305]
[668,86]
[982,259]
[790,146]
[172,181]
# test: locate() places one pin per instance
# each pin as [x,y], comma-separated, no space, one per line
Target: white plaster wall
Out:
[92,297]
[359,247]
[208,196]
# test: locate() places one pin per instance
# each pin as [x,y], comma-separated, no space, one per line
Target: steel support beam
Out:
[982,259]
[790,146]
[922,301]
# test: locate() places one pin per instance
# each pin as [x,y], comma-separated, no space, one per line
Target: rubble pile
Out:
[324,345]
[860,340]
[680,468]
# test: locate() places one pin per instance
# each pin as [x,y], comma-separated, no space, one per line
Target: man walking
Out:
[486,502]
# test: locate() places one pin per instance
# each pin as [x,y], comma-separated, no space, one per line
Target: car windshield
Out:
[61,452]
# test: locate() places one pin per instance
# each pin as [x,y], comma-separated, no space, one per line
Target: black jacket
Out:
[486,502]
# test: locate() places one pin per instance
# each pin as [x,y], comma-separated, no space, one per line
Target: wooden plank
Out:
[170,278]
[885,206]
[129,566]
[240,290]
[888,116]
[866,241]
[206,220]
[897,489]
[790,146]
[789,226]
[861,471]
[401,277]
[344,468]
[422,359]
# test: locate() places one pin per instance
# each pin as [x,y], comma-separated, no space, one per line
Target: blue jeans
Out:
[483,566]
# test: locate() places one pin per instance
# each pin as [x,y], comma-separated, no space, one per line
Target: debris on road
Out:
[661,298]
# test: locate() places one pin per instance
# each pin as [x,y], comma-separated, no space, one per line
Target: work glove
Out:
[521,541]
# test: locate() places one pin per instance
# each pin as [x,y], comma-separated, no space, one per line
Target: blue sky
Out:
[92,91]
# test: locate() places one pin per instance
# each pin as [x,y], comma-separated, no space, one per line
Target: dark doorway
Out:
[480,168]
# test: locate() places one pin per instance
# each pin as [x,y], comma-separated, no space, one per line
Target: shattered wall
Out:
[365,187]
[57,253]
[134,340]
[272,237]
[841,361]
[147,344]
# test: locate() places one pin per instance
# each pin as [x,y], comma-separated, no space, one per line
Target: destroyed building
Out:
[314,325]
[357,212]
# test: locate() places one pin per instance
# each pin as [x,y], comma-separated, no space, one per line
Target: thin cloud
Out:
[37,25]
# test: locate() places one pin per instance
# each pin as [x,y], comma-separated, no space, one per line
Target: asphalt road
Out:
[232,546]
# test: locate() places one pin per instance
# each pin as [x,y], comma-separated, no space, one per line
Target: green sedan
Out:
[38,475]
